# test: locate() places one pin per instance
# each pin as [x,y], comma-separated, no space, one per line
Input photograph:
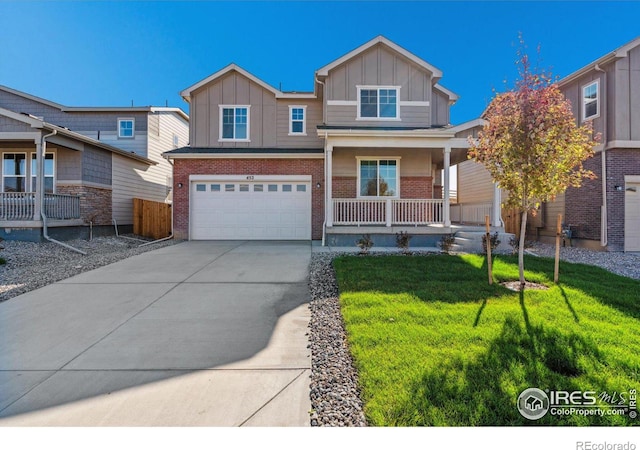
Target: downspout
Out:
[604,238]
[45,231]
[326,203]
[171,235]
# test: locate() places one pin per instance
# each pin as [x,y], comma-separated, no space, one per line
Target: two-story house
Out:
[603,213]
[95,161]
[368,151]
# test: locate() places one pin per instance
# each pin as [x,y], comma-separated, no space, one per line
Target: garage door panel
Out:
[231,209]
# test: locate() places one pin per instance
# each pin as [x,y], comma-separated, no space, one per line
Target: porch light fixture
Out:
[617,188]
[180,185]
[318,185]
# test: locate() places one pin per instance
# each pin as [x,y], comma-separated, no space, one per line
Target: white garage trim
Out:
[632,213]
[250,207]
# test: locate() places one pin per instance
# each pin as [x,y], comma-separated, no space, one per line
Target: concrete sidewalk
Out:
[195,334]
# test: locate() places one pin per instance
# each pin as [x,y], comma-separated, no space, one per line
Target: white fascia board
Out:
[24,118]
[294,95]
[20,136]
[324,71]
[466,125]
[453,97]
[424,133]
[186,93]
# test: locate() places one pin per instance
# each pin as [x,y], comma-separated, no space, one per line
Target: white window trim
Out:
[584,103]
[304,120]
[382,119]
[220,109]
[378,159]
[27,181]
[31,176]
[133,127]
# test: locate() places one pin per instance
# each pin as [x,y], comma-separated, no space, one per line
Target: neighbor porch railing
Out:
[471,213]
[387,211]
[21,206]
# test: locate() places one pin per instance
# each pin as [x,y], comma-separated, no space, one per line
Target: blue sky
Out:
[82,53]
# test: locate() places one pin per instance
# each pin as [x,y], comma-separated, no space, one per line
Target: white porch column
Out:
[328,184]
[496,219]
[39,178]
[446,214]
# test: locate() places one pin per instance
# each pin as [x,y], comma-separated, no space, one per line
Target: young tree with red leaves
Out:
[532,146]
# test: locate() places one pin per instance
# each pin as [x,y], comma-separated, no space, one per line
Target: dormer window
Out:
[126,128]
[591,101]
[378,102]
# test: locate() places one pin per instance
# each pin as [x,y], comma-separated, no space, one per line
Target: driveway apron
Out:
[202,333]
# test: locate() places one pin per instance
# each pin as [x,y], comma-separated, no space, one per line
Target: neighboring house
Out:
[97,161]
[376,125]
[603,213]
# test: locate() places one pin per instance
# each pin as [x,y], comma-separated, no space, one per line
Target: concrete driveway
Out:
[194,334]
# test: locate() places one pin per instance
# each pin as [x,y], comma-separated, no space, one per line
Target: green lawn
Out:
[434,344]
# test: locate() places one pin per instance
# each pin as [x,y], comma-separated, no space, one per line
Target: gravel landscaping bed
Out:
[32,265]
[625,264]
[335,398]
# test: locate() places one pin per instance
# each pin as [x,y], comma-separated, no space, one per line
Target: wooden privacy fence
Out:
[151,219]
[512,220]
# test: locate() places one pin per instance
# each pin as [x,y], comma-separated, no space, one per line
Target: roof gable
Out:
[620,52]
[380,40]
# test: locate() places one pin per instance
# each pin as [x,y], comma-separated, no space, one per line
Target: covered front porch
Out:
[387,180]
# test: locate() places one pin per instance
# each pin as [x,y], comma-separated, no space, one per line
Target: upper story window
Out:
[126,128]
[234,123]
[297,120]
[378,102]
[591,100]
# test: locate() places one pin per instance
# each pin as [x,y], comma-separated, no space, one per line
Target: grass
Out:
[434,344]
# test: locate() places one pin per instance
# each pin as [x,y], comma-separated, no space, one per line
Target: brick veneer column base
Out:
[95,203]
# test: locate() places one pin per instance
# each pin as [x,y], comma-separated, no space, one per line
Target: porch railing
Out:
[387,211]
[471,213]
[21,206]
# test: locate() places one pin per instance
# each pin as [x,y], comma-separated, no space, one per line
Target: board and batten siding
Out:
[380,66]
[233,89]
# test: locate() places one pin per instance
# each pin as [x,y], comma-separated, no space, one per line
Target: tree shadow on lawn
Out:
[484,391]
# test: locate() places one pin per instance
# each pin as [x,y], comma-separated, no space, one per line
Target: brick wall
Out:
[344,187]
[582,205]
[416,187]
[620,162]
[185,167]
[95,203]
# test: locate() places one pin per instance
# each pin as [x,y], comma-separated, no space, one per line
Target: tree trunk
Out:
[523,230]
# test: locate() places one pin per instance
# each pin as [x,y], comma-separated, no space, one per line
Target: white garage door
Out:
[253,207]
[632,217]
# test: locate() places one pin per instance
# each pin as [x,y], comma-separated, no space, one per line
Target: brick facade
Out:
[416,187]
[344,187]
[184,167]
[95,203]
[620,162]
[582,205]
